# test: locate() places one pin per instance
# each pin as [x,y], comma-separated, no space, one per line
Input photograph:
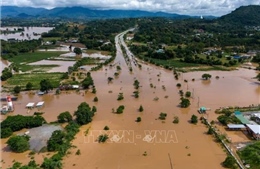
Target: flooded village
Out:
[150,142]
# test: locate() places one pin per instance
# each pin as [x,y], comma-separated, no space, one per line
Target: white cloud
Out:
[190,7]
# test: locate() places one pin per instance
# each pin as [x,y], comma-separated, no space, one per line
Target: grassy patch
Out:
[51,38]
[23,79]
[174,63]
[33,57]
[39,68]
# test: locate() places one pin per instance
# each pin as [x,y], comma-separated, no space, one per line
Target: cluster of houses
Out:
[252,126]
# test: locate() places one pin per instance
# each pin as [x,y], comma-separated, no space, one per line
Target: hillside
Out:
[244,15]
[82,13]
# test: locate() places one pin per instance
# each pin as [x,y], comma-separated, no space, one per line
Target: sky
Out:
[186,7]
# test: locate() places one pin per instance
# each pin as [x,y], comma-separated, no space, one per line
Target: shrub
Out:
[95,99]
[141,109]
[176,119]
[120,109]
[178,85]
[102,138]
[64,117]
[19,144]
[163,116]
[6,132]
[194,119]
[106,128]
[138,119]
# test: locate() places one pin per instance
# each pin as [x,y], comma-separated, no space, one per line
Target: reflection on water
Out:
[28,33]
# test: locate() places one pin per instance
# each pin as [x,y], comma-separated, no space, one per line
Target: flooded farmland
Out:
[26,34]
[151,143]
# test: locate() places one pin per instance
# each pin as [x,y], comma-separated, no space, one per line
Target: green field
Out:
[36,68]
[33,57]
[35,78]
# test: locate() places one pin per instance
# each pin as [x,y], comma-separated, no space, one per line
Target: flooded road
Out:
[151,143]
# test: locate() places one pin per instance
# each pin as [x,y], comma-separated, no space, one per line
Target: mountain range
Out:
[244,15]
[83,13]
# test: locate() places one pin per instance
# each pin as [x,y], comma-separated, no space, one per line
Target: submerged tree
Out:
[19,144]
[206,76]
[45,85]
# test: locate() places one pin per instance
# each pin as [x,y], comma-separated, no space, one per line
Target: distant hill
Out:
[244,15]
[81,13]
[13,11]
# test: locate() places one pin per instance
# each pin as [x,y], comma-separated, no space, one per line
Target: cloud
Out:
[190,7]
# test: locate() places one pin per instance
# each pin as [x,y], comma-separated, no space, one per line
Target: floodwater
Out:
[182,145]
[63,65]
[28,33]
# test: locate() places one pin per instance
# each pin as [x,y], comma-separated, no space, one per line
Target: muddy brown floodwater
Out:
[151,143]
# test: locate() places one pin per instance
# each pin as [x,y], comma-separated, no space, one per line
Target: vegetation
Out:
[120,96]
[83,114]
[120,109]
[106,128]
[194,119]
[136,84]
[45,85]
[95,99]
[88,81]
[178,85]
[64,117]
[29,86]
[77,51]
[188,94]
[18,144]
[136,94]
[229,162]
[6,132]
[102,138]
[206,76]
[251,155]
[184,102]
[176,119]
[6,74]
[56,140]
[141,109]
[17,89]
[35,79]
[18,122]
[228,117]
[162,116]
[138,119]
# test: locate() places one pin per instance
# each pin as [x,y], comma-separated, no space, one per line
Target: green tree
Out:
[120,96]
[88,81]
[141,109]
[55,141]
[188,94]
[206,76]
[110,79]
[106,128]
[17,89]
[120,109]
[102,138]
[84,114]
[176,119]
[77,51]
[138,119]
[95,99]
[50,163]
[184,102]
[45,85]
[64,117]
[229,162]
[6,132]
[29,86]
[194,119]
[162,116]
[18,144]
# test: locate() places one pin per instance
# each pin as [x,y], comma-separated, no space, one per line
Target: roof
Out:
[30,104]
[242,119]
[254,128]
[236,126]
[39,104]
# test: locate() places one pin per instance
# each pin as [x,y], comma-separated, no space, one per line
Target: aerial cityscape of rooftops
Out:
[130,84]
